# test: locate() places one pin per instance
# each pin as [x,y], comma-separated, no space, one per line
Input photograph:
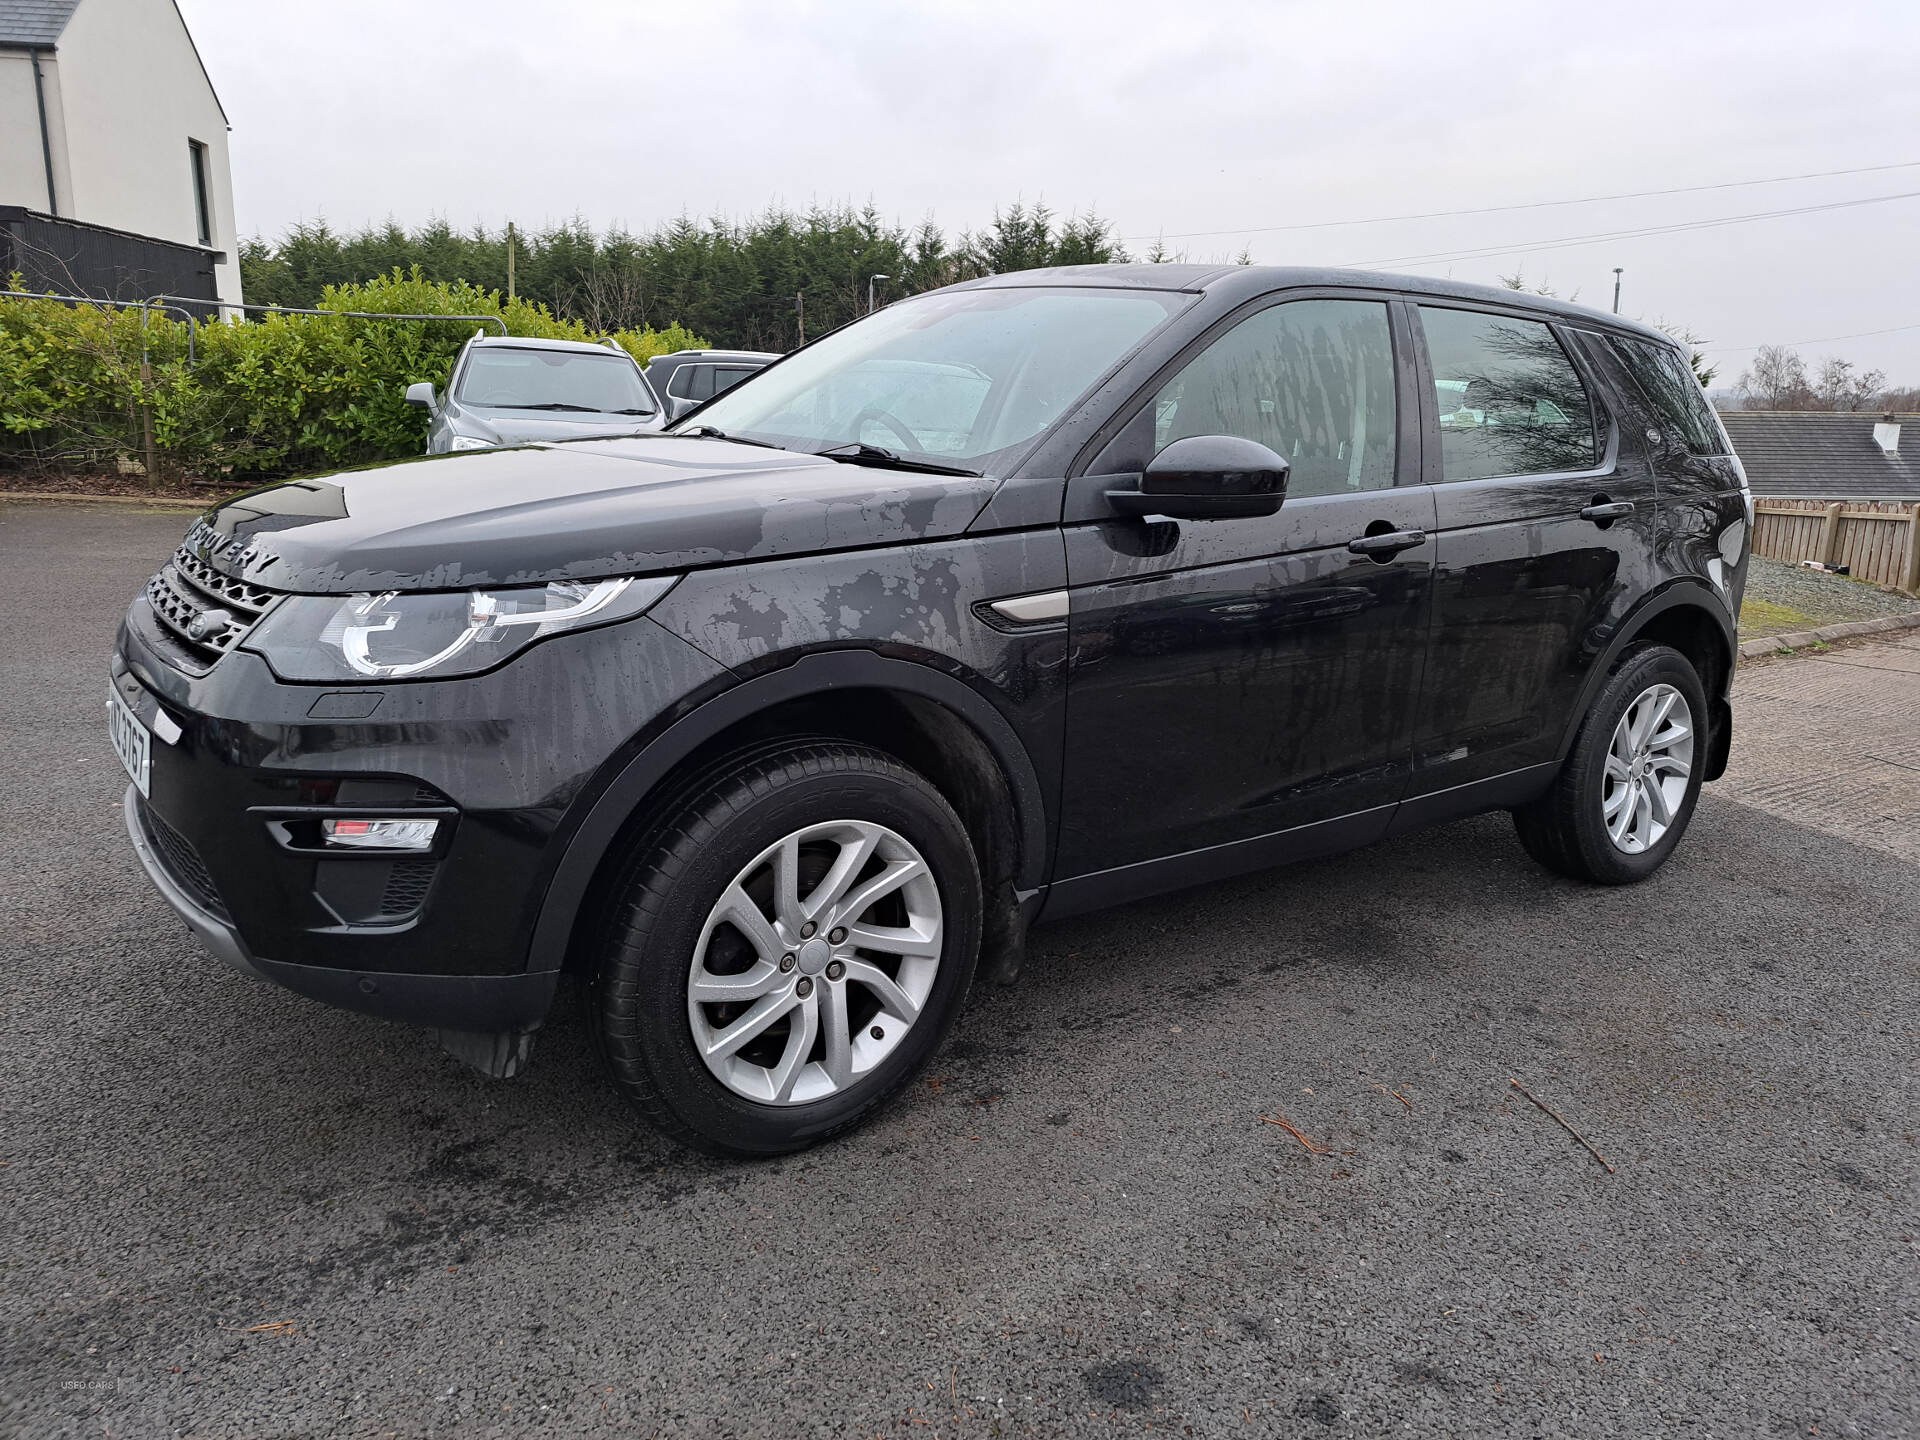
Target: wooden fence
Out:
[1877,540]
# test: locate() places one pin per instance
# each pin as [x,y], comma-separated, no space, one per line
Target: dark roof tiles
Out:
[1825,455]
[34,22]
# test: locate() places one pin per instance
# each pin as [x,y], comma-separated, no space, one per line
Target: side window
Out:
[1667,380]
[726,377]
[1311,379]
[692,382]
[1510,401]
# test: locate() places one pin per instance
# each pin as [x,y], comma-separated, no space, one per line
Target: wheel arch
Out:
[928,718]
[1692,618]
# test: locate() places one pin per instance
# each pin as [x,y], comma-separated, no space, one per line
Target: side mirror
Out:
[420,393]
[1208,477]
[678,405]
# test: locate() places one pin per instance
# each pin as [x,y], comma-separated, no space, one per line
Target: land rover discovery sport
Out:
[1034,594]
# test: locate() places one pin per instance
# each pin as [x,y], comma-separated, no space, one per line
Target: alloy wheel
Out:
[815,962]
[1647,769]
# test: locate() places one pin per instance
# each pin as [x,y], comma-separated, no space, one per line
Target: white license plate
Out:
[131,743]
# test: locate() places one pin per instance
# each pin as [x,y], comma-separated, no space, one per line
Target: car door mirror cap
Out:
[679,406]
[1208,477]
[420,393]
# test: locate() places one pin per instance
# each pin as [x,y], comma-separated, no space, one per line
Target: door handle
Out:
[1385,547]
[1607,510]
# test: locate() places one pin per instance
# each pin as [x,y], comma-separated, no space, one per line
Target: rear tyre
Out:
[788,950]
[1628,788]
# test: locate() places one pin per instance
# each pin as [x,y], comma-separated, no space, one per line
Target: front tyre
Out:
[1628,788]
[787,951]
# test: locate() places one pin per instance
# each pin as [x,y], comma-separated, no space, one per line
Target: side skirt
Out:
[1304,842]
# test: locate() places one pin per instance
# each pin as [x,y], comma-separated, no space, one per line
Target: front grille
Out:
[189,595]
[184,864]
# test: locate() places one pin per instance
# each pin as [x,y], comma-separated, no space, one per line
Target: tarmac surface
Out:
[229,1211]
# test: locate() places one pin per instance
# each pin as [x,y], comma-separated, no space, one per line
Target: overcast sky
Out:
[1166,118]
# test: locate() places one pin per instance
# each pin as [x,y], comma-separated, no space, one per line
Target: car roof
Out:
[1237,282]
[531,342]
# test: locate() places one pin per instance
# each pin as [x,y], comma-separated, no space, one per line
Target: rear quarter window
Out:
[1666,379]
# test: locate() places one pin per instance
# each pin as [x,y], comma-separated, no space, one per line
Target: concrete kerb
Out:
[154,502]
[1826,634]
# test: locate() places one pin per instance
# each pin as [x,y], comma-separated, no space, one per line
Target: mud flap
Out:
[497,1054]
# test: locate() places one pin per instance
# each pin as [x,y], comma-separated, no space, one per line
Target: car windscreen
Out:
[959,378]
[524,378]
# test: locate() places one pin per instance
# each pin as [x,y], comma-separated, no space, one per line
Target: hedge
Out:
[285,394]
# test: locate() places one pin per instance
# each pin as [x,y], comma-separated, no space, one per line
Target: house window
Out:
[202,191]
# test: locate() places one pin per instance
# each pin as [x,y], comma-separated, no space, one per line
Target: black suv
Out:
[1035,594]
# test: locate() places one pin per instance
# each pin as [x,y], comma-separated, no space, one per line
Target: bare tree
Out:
[608,297]
[1777,381]
[1840,387]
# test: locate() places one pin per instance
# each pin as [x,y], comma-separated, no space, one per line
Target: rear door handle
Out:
[1384,547]
[1607,510]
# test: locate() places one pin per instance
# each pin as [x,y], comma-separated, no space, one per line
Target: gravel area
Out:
[230,1212]
[1782,597]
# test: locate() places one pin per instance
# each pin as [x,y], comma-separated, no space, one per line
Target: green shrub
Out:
[284,394]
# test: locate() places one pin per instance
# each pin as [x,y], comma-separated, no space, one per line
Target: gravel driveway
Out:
[1781,597]
[230,1212]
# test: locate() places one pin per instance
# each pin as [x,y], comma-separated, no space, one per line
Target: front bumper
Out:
[483,1003]
[244,764]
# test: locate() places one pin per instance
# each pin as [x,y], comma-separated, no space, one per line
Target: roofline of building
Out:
[53,48]
[194,46]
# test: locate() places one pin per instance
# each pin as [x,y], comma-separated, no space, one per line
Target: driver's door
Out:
[1244,691]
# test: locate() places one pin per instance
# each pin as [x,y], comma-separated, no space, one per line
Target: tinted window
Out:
[692,382]
[726,377]
[1510,401]
[516,378]
[960,376]
[1667,379]
[1311,380]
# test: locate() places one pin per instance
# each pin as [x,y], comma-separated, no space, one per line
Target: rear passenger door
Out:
[1545,511]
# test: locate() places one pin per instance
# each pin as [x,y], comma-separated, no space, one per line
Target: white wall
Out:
[23,166]
[131,94]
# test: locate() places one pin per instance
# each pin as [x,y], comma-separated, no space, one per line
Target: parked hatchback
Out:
[1035,594]
[510,391]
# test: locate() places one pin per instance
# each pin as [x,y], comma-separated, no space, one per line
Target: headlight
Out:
[392,636]
[470,442]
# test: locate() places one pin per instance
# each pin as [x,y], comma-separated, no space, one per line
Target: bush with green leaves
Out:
[283,394]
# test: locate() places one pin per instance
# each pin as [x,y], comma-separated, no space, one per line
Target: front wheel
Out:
[789,949]
[1624,797]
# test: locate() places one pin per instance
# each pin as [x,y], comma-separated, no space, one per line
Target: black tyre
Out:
[1624,797]
[786,951]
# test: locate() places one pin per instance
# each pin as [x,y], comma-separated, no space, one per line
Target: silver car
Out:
[511,391]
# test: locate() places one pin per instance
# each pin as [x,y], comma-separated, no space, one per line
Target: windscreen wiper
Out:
[860,453]
[553,405]
[711,432]
[629,412]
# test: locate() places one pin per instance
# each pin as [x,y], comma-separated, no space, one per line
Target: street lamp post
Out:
[1616,289]
[870,283]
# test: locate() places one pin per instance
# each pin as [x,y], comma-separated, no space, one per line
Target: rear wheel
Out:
[1624,797]
[787,951]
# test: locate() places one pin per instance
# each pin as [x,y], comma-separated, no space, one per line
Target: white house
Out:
[113,151]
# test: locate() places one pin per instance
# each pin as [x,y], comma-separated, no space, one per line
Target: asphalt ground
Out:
[228,1211]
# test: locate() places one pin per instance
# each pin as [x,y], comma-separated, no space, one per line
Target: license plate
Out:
[131,743]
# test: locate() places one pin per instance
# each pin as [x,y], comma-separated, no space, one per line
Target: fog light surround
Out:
[409,836]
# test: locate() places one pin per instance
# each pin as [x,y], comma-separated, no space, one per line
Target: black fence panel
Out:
[74,258]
